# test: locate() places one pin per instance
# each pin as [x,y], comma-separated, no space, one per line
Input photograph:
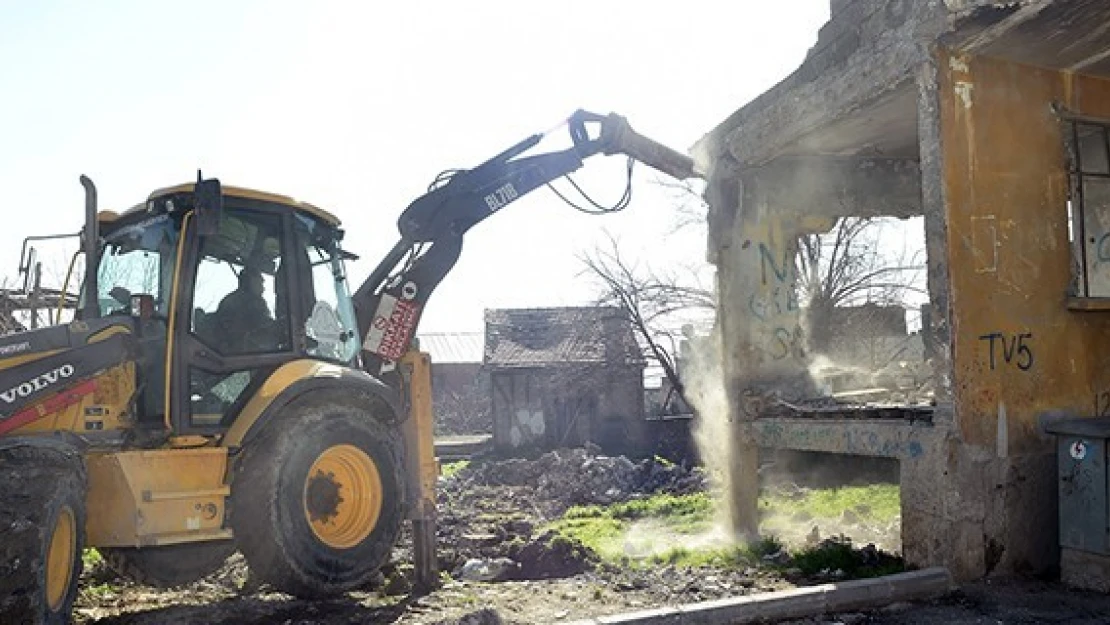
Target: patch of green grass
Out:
[720,557]
[96,592]
[831,557]
[668,529]
[838,555]
[452,468]
[697,506]
[879,503]
[600,534]
[736,556]
[765,546]
[91,558]
[651,531]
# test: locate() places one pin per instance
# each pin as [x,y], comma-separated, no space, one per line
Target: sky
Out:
[356,106]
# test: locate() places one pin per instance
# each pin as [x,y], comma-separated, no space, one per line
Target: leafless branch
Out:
[652,300]
[852,265]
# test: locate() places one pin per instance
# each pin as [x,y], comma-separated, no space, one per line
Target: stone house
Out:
[564,376]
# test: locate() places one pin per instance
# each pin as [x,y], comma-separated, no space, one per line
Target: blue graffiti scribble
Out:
[914,449]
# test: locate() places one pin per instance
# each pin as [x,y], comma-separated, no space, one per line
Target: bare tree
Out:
[654,302]
[687,204]
[463,408]
[849,266]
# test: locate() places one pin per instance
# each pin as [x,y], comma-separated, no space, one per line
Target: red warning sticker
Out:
[391,331]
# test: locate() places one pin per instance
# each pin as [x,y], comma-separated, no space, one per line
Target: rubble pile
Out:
[491,511]
[898,382]
[581,476]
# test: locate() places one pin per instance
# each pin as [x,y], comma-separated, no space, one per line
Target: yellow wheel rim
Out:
[342,496]
[60,557]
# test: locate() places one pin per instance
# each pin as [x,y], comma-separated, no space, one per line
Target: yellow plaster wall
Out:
[1005,185]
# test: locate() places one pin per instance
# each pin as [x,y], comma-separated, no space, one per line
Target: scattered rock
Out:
[486,570]
[778,557]
[485,616]
[574,477]
[399,581]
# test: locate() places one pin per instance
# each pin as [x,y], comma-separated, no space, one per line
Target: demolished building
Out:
[562,377]
[990,121]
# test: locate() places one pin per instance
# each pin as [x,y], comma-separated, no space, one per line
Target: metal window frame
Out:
[1076,182]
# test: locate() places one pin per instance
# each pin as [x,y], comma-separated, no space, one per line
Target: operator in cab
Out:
[242,313]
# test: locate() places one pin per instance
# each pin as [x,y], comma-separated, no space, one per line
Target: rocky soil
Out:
[503,567]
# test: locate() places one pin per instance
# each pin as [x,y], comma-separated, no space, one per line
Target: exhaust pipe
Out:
[90,240]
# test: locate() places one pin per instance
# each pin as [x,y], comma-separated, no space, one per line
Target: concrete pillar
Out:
[741,460]
[762,341]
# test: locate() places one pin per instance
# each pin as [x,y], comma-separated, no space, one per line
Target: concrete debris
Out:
[486,570]
[779,557]
[580,476]
[492,508]
[903,382]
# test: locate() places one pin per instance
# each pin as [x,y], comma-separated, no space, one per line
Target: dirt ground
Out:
[552,601]
[505,570]
[489,512]
[1008,602]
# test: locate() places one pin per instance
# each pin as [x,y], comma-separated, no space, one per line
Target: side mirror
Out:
[208,205]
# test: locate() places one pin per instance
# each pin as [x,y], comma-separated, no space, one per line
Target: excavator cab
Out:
[222,298]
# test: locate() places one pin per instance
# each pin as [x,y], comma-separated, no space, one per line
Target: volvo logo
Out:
[38,383]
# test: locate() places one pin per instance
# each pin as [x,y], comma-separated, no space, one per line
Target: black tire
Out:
[169,566]
[271,498]
[39,488]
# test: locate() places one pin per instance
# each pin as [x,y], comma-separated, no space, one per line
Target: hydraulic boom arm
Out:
[389,303]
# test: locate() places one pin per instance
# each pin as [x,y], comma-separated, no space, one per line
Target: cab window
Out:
[236,290]
[329,325]
[138,260]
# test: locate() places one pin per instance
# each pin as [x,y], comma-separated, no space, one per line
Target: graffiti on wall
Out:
[1009,349]
[1103,248]
[774,304]
[527,427]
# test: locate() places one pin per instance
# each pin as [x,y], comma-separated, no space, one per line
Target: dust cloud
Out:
[649,537]
[704,382]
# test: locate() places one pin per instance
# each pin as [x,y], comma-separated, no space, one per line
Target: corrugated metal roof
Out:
[452,346]
[529,337]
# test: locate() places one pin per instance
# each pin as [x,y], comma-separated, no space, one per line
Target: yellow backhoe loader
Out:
[219,388]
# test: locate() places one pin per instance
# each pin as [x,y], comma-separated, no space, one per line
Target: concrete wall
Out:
[1019,354]
[561,406]
[1006,185]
